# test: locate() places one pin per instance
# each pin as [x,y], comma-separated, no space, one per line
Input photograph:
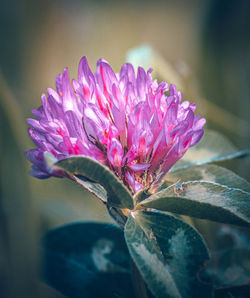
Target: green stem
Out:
[117,215]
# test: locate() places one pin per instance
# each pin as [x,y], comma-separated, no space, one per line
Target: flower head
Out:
[129,123]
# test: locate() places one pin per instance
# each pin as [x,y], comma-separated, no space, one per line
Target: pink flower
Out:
[129,123]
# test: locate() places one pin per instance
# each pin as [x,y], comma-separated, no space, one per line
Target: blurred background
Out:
[203,46]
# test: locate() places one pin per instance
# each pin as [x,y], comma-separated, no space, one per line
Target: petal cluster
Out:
[137,127]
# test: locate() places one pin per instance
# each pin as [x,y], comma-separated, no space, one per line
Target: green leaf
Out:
[208,192]
[168,253]
[212,147]
[118,194]
[88,260]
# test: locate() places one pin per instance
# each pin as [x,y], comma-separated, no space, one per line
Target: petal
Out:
[115,153]
[105,75]
[199,122]
[46,108]
[69,100]
[139,167]
[196,137]
[55,107]
[59,84]
[73,124]
[127,70]
[54,94]
[141,83]
[37,173]
[35,124]
[85,75]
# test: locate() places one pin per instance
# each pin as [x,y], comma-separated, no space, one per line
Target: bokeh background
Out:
[204,45]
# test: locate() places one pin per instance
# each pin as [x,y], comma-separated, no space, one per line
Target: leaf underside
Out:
[93,187]
[117,193]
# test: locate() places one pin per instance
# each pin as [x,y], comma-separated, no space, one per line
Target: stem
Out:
[117,215]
